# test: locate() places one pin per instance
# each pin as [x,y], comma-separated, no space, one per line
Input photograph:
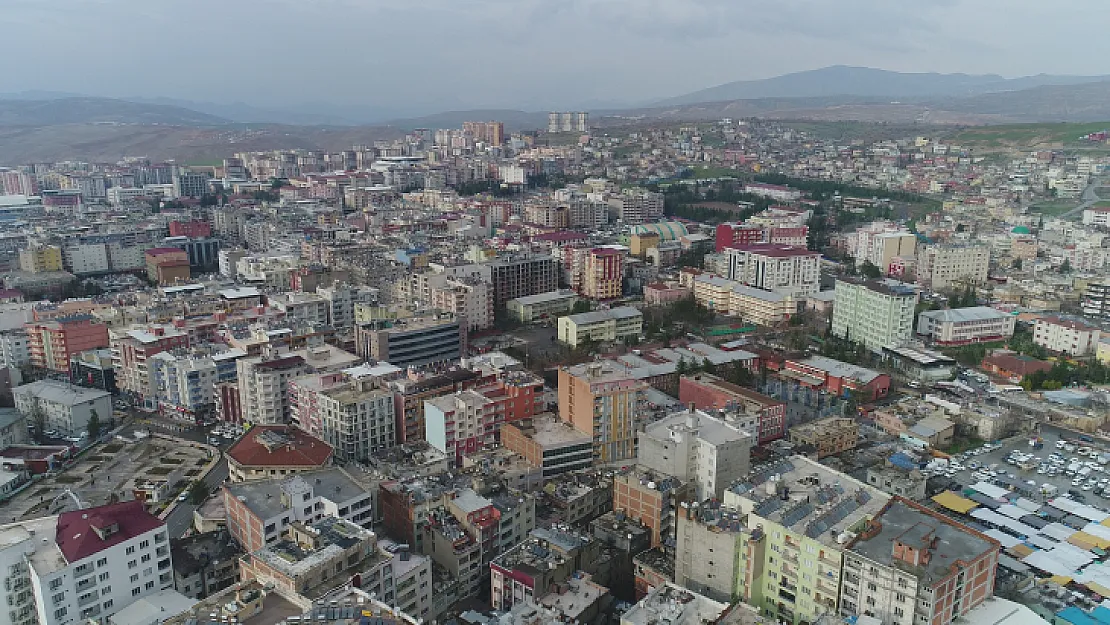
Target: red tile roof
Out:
[77,537]
[302,449]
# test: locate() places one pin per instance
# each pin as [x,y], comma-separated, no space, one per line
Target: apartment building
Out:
[467,299]
[84,564]
[801,514]
[413,342]
[341,301]
[312,556]
[601,399]
[52,343]
[652,499]
[728,297]
[410,395]
[739,405]
[15,348]
[132,351]
[879,243]
[185,382]
[305,308]
[746,234]
[275,451]
[353,415]
[711,548]
[827,436]
[167,265]
[1070,336]
[773,191]
[601,326]
[637,206]
[791,271]
[549,444]
[532,308]
[469,421]
[549,557]
[913,566]
[945,266]
[875,313]
[603,274]
[697,448]
[264,386]
[260,512]
[964,326]
[1096,300]
[519,276]
[61,407]
[43,258]
[836,377]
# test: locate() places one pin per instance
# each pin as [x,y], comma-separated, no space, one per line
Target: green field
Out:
[702,173]
[1054,207]
[1015,136]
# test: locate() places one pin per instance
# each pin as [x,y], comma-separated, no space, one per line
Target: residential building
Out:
[601,326]
[791,271]
[637,206]
[895,480]
[548,557]
[305,308]
[353,415]
[61,407]
[670,603]
[190,184]
[44,258]
[553,446]
[409,397]
[275,451]
[652,499]
[132,351]
[1073,337]
[93,368]
[13,428]
[601,399]
[531,308]
[802,515]
[773,191]
[836,377]
[185,382]
[945,266]
[827,436]
[874,313]
[192,228]
[413,342]
[911,565]
[341,301]
[519,276]
[15,348]
[264,386]
[697,448]
[879,243]
[964,326]
[711,549]
[603,274]
[468,299]
[460,424]
[85,564]
[167,265]
[260,512]
[204,564]
[52,343]
[1096,301]
[728,297]
[744,234]
[711,393]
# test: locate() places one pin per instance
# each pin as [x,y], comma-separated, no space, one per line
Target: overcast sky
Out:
[533,54]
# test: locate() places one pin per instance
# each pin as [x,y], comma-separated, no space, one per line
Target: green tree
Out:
[682,368]
[869,270]
[38,418]
[198,492]
[1065,267]
[93,426]
[581,306]
[1016,264]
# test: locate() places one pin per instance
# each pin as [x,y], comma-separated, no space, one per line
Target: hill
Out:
[98,111]
[840,80]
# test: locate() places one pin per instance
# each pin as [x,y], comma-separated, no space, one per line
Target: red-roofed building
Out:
[273,451]
[167,265]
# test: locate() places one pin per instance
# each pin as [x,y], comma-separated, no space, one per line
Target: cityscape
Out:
[768,353]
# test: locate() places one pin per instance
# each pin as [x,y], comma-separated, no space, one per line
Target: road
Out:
[1090,197]
[181,519]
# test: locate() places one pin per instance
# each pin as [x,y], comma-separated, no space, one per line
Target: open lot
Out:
[1061,481]
[109,468]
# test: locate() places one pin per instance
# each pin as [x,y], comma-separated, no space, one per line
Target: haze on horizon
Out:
[436,55]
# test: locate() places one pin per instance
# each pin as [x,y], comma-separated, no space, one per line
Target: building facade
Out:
[964,326]
[603,401]
[876,313]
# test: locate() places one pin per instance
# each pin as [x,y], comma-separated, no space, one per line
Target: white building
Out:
[472,299]
[1096,217]
[773,191]
[81,565]
[185,383]
[1066,336]
[615,324]
[876,313]
[792,271]
[637,206]
[307,308]
[697,447]
[15,349]
[961,326]
[124,195]
[264,380]
[944,266]
[879,242]
[341,301]
[351,415]
[64,407]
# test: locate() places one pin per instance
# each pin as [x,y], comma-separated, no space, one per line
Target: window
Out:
[131,550]
[107,590]
[305,497]
[60,597]
[55,584]
[135,592]
[146,557]
[144,544]
[135,577]
[149,585]
[59,613]
[147,571]
[308,510]
[902,582]
[872,587]
[107,604]
[103,576]
[132,564]
[898,611]
[102,562]
[899,597]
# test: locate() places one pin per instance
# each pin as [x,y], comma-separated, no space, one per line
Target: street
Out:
[181,519]
[1090,198]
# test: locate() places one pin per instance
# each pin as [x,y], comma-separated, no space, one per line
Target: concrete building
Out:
[354,416]
[637,206]
[602,400]
[728,297]
[264,386]
[964,326]
[874,313]
[275,451]
[93,368]
[185,382]
[204,564]
[603,274]
[839,378]
[790,271]
[827,436]
[805,514]
[652,499]
[532,308]
[911,565]
[167,265]
[514,276]
[711,393]
[697,448]
[710,554]
[86,564]
[413,342]
[881,242]
[773,191]
[1073,337]
[469,299]
[1096,301]
[548,557]
[132,351]
[62,407]
[601,326]
[894,480]
[549,444]
[945,266]
[260,512]
[305,308]
[44,258]
[341,301]
[52,343]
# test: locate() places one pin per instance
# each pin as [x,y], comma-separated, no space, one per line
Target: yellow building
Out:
[601,326]
[728,297]
[41,259]
[641,243]
[1102,350]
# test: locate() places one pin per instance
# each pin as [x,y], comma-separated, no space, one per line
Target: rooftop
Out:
[279,446]
[961,315]
[695,423]
[547,430]
[264,497]
[82,533]
[61,392]
[601,316]
[543,549]
[948,542]
[673,605]
[840,369]
[541,298]
[334,536]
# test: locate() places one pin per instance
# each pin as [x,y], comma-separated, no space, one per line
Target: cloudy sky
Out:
[534,54]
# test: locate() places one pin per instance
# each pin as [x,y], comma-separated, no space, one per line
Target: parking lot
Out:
[1040,467]
[112,468]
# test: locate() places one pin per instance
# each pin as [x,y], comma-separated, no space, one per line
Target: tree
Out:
[38,418]
[93,426]
[870,270]
[198,492]
[581,306]
[1016,264]
[682,367]
[1065,267]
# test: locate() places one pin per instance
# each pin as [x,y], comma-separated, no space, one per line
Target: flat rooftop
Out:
[543,298]
[673,605]
[917,527]
[807,497]
[548,431]
[263,497]
[696,423]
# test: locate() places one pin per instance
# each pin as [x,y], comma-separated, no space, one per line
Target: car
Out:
[1060,444]
[1077,481]
[1068,447]
[1087,486]
[973,465]
[229,435]
[1041,470]
[183,497]
[999,472]
[213,441]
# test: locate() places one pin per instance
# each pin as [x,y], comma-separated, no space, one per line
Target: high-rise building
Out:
[568,122]
[791,271]
[876,313]
[416,341]
[264,386]
[352,415]
[40,259]
[603,273]
[85,564]
[651,498]
[492,133]
[519,276]
[944,266]
[603,400]
[52,343]
[132,351]
[1096,300]
[637,206]
[698,448]
[15,182]
[190,184]
[184,383]
[879,242]
[910,565]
